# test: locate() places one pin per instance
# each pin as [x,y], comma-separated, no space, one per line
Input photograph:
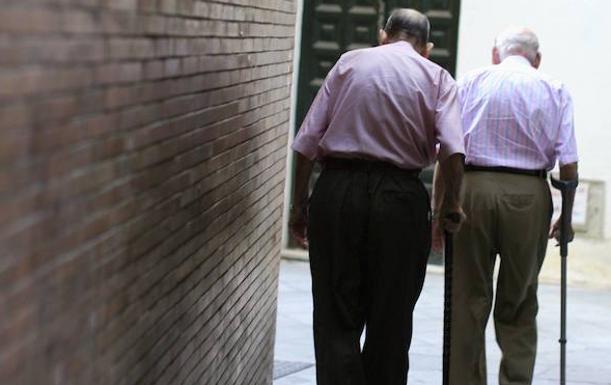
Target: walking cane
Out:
[565,187]
[447,298]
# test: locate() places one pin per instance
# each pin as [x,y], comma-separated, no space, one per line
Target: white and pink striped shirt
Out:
[515,116]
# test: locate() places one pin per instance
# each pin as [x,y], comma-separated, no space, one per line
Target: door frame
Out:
[290,156]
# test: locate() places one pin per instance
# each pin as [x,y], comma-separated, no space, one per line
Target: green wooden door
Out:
[332,27]
[443,15]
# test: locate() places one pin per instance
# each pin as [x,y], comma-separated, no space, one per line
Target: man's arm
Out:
[438,190]
[447,184]
[306,143]
[566,152]
[298,210]
[449,172]
[567,172]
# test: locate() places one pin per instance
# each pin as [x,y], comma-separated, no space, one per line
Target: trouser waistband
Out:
[367,165]
[509,170]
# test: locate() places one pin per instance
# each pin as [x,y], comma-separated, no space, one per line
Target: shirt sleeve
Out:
[448,122]
[566,144]
[317,119]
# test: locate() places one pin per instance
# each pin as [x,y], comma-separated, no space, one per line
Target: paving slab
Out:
[589,332]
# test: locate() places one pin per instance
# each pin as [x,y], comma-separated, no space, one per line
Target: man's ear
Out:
[382,37]
[537,61]
[496,57]
[426,52]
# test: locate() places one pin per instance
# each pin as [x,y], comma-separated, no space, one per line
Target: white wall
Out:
[575,39]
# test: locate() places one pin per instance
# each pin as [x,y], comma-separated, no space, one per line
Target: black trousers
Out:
[369,232]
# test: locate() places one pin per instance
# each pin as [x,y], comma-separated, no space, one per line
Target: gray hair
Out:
[517,41]
[408,23]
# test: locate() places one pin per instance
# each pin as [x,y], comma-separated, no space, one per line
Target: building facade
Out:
[142,166]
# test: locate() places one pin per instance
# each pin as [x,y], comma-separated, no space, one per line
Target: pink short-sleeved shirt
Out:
[386,103]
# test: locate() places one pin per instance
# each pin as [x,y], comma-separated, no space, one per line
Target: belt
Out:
[367,165]
[509,170]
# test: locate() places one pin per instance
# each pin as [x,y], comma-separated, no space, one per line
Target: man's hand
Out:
[554,231]
[442,223]
[298,226]
[452,218]
[568,172]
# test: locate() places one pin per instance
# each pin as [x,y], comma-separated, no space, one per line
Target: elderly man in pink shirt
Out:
[517,124]
[375,123]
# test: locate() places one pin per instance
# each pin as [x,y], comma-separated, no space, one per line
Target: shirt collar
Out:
[516,60]
[404,44]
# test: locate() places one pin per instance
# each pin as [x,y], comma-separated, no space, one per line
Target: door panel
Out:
[362,23]
[322,44]
[332,27]
[443,15]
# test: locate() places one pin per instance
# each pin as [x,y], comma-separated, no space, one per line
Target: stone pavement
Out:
[589,325]
[589,263]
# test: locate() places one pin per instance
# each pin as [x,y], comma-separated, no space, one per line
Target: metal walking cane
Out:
[566,187]
[447,297]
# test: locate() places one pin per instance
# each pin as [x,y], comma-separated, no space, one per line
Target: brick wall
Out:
[142,158]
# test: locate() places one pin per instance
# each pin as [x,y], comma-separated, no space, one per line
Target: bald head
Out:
[517,41]
[408,24]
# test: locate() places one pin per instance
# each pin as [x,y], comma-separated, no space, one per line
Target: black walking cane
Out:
[447,298]
[566,187]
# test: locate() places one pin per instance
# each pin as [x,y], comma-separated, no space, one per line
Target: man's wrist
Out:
[450,207]
[299,201]
[434,215]
[298,208]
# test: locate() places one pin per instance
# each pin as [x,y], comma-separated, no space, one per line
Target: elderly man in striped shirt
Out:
[517,124]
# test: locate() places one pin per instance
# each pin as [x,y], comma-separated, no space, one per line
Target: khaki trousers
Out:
[507,215]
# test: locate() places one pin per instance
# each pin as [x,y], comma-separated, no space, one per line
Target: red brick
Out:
[122,4]
[147,5]
[79,22]
[29,20]
[154,25]
[120,23]
[118,73]
[14,115]
[57,108]
[172,68]
[153,69]
[15,144]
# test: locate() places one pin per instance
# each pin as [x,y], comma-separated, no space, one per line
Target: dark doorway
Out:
[332,27]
